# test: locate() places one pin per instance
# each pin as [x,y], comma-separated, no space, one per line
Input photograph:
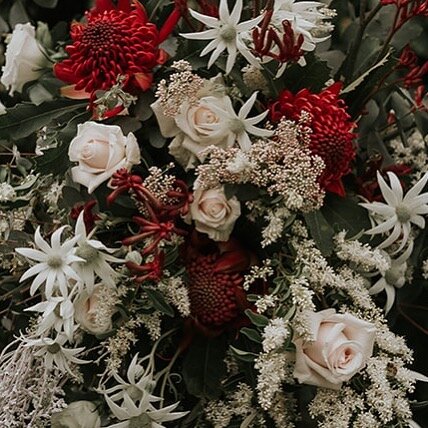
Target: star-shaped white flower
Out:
[239,125]
[394,277]
[398,213]
[57,313]
[94,259]
[54,267]
[226,33]
[54,353]
[131,402]
[307,18]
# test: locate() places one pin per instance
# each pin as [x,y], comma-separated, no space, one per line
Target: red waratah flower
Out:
[215,277]
[115,40]
[332,136]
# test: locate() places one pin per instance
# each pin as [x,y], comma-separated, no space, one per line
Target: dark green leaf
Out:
[18,14]
[70,197]
[257,319]
[158,301]
[243,355]
[156,139]
[204,367]
[244,192]
[50,4]
[39,94]
[312,76]
[411,30]
[252,334]
[24,119]
[54,161]
[345,214]
[321,231]
[127,124]
[142,109]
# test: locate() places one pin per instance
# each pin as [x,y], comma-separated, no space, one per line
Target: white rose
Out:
[88,312]
[213,213]
[24,58]
[101,150]
[342,345]
[79,414]
[195,128]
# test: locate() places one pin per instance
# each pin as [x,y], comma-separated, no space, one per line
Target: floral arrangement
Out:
[212,213]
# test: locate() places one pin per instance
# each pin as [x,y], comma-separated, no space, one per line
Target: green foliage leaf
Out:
[49,4]
[24,119]
[156,139]
[18,14]
[244,192]
[257,319]
[345,213]
[243,355]
[203,367]
[312,76]
[252,334]
[54,161]
[321,231]
[158,301]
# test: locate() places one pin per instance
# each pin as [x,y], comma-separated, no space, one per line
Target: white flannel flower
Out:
[226,33]
[54,353]
[398,213]
[54,267]
[57,313]
[239,125]
[136,408]
[394,277]
[306,19]
[92,260]
[138,383]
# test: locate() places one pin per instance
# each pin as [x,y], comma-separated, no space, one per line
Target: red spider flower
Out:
[89,218]
[332,137]
[115,40]
[215,277]
[149,271]
[367,183]
[267,42]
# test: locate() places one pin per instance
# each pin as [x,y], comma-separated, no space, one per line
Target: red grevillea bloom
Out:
[115,40]
[332,136]
[215,282]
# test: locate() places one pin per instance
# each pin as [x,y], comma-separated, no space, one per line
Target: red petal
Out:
[103,5]
[234,261]
[144,80]
[336,187]
[64,73]
[72,93]
[169,25]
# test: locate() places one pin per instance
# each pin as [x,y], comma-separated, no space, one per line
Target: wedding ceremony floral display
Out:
[213,213]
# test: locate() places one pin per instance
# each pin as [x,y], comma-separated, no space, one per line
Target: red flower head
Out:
[332,136]
[115,40]
[215,282]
